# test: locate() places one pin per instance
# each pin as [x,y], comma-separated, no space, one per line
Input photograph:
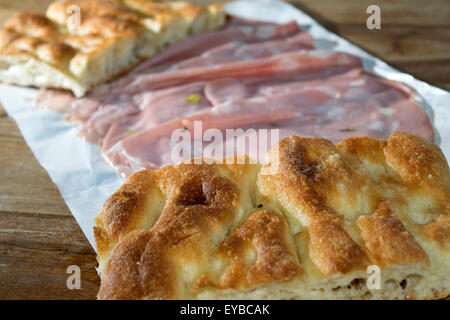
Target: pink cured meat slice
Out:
[54,99]
[235,51]
[303,65]
[199,44]
[312,112]
[223,90]
[228,53]
[165,105]
[238,30]
[158,107]
[291,91]
[89,106]
[135,152]
[128,155]
[313,63]
[371,122]
[98,125]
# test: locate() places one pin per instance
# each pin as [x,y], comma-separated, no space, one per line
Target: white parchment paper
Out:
[84,179]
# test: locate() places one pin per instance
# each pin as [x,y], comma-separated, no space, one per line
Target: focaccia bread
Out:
[308,230]
[81,43]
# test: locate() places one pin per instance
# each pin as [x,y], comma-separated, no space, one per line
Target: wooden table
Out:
[39,238]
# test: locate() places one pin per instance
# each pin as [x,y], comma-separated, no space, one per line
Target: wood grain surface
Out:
[39,238]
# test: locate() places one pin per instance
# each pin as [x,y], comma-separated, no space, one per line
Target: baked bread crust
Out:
[307,231]
[112,37]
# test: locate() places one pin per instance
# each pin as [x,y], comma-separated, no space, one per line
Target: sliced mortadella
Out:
[303,64]
[201,43]
[54,99]
[236,51]
[224,90]
[152,147]
[308,63]
[98,125]
[331,109]
[159,107]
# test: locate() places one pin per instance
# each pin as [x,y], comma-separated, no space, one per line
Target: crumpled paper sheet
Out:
[85,180]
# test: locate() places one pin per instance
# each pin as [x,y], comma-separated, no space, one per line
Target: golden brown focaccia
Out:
[56,51]
[310,230]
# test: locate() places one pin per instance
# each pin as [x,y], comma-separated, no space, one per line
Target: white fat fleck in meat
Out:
[172,68]
[247,58]
[215,110]
[227,99]
[247,30]
[265,32]
[344,59]
[336,113]
[324,54]
[332,92]
[357,93]
[394,125]
[386,111]
[137,81]
[77,104]
[258,100]
[286,63]
[142,100]
[276,51]
[226,106]
[357,83]
[376,125]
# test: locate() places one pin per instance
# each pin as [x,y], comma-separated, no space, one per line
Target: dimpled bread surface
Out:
[308,230]
[78,44]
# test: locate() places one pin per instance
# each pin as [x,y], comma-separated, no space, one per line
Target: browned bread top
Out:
[307,230]
[80,43]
